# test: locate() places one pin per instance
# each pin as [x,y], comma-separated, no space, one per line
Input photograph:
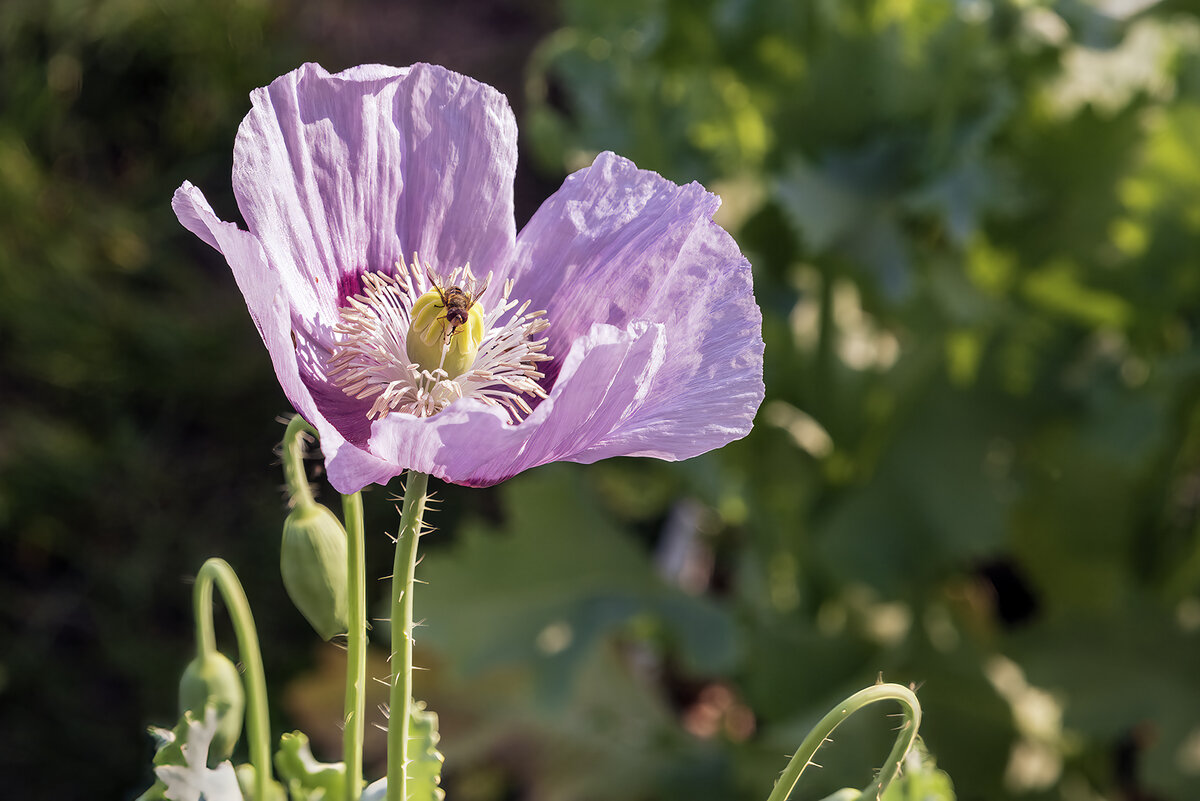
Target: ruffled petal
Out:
[601,381]
[617,244]
[269,308]
[337,174]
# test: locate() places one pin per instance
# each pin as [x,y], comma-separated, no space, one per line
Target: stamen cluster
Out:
[371,360]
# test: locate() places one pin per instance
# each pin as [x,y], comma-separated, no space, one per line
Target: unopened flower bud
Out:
[449,322]
[212,680]
[312,560]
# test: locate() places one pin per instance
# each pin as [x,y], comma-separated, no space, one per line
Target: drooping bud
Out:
[312,557]
[212,680]
[312,560]
[447,327]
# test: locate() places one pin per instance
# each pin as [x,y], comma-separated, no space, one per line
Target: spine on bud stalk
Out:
[312,556]
[212,680]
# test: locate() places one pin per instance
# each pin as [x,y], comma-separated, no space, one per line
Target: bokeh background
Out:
[974,226]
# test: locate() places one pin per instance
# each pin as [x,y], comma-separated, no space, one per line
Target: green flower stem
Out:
[293,461]
[356,645]
[258,726]
[400,700]
[904,740]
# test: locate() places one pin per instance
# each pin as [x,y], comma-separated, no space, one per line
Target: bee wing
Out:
[478,293]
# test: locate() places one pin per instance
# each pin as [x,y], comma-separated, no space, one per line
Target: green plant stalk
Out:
[400,698]
[904,739]
[356,646]
[258,726]
[293,461]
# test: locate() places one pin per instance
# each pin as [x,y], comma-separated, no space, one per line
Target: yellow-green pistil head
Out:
[447,327]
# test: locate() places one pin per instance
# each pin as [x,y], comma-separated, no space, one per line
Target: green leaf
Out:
[305,777]
[425,761]
[920,779]
[824,209]
[930,504]
[559,579]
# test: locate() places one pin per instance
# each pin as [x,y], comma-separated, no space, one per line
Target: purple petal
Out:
[617,244]
[337,174]
[600,383]
[268,305]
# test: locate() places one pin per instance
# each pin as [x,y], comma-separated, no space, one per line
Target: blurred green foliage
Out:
[129,444]
[974,228]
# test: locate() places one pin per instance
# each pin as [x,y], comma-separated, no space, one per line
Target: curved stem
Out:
[206,639]
[293,461]
[258,727]
[400,699]
[904,740]
[356,645]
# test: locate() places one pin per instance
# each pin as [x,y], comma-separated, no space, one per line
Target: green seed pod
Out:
[211,679]
[313,562]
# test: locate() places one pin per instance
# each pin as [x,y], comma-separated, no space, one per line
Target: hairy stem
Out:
[356,645]
[904,739]
[258,726]
[400,699]
[293,461]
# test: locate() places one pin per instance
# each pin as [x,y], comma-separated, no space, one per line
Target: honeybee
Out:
[458,305]
[458,302]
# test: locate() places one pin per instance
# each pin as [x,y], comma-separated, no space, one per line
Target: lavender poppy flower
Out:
[379,208]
